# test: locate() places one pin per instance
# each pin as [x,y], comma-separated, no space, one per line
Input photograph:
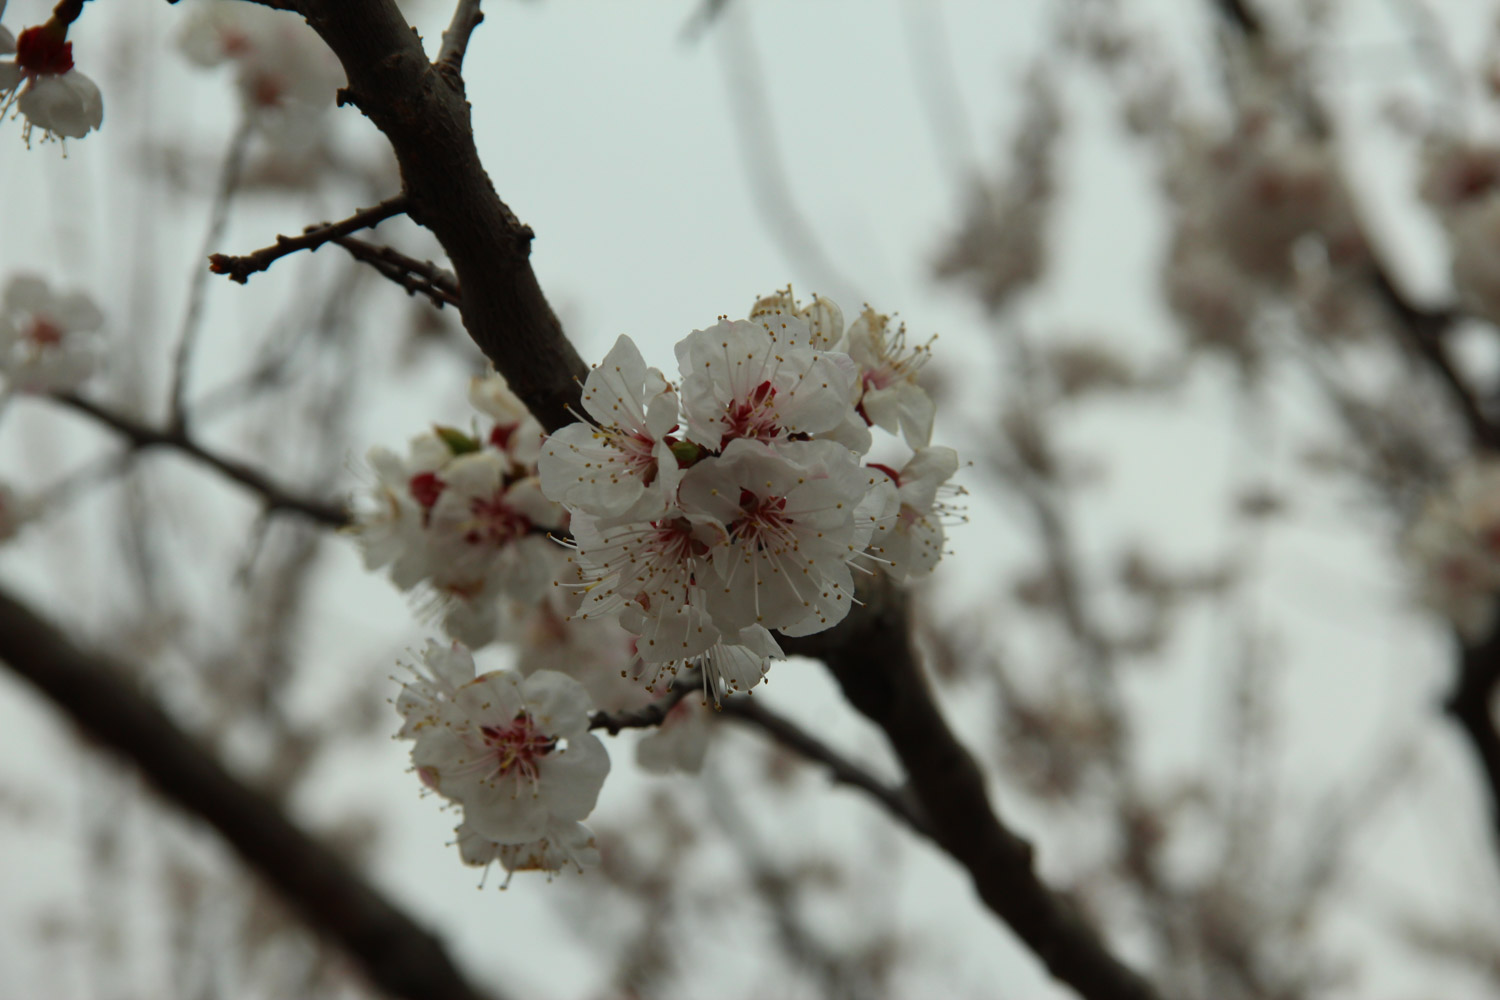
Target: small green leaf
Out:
[457,441]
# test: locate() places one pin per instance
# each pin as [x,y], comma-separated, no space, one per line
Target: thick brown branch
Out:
[1472,706]
[399,956]
[240,268]
[423,113]
[141,436]
[871,656]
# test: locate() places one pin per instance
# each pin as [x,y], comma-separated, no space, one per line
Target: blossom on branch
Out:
[515,753]
[707,529]
[286,75]
[39,82]
[46,337]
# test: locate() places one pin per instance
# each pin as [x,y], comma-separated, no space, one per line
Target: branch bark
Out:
[240,268]
[399,956]
[871,657]
[142,437]
[1472,706]
[422,111]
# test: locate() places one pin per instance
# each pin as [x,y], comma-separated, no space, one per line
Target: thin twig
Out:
[466,17]
[651,715]
[141,437]
[429,124]
[192,317]
[240,268]
[871,657]
[898,802]
[418,277]
[398,955]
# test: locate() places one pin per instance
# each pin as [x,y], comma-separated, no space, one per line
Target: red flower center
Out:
[425,488]
[496,522]
[43,332]
[518,746]
[752,417]
[764,521]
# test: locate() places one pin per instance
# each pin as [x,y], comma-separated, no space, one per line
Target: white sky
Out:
[613,138]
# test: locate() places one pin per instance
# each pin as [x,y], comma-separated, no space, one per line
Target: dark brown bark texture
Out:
[872,657]
[399,957]
[422,110]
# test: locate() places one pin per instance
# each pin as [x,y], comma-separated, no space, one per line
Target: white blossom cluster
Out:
[462,516]
[1454,544]
[707,515]
[47,338]
[1246,200]
[677,526]
[37,80]
[513,752]
[285,74]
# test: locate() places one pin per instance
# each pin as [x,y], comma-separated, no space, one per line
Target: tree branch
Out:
[871,657]
[651,715]
[1472,706]
[466,17]
[399,956]
[423,113]
[1423,330]
[240,268]
[141,437]
[899,802]
[418,277]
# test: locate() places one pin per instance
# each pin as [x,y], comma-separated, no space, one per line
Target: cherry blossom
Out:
[514,752]
[484,523]
[622,466]
[888,367]
[562,846]
[752,520]
[824,319]
[46,340]
[434,683]
[599,653]
[389,529]
[789,531]
[653,568]
[285,73]
[513,430]
[41,83]
[742,379]
[914,542]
